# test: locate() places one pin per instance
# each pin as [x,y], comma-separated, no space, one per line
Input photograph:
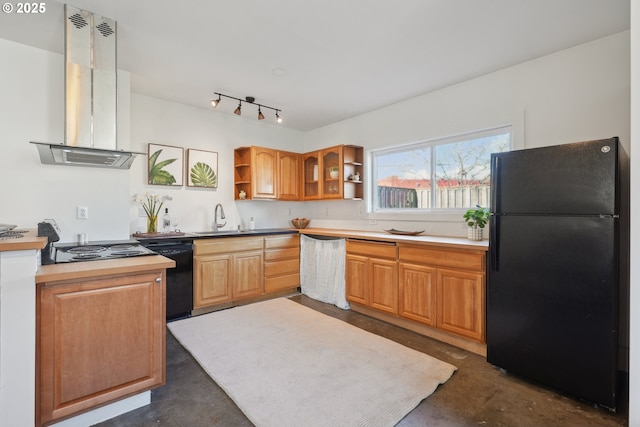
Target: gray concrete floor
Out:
[477,394]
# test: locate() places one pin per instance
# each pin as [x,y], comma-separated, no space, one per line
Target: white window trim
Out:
[439,214]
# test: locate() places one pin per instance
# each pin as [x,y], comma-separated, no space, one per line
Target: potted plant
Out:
[476,218]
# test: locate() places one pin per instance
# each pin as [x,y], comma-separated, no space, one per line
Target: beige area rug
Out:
[288,365]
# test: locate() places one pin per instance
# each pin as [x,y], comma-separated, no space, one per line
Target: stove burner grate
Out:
[86,249]
[126,253]
[123,246]
[85,257]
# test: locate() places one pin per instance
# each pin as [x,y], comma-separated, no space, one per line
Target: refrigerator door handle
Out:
[493,247]
[495,185]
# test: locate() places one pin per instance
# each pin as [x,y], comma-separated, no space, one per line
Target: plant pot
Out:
[474,233]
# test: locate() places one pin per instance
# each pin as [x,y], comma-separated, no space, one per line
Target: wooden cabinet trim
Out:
[460,259]
[372,248]
[226,245]
[286,241]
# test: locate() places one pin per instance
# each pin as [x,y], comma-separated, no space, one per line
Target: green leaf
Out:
[202,175]
[163,178]
[156,174]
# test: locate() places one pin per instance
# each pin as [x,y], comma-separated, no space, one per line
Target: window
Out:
[447,173]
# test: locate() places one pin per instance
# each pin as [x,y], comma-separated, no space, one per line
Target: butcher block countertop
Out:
[30,240]
[80,270]
[450,242]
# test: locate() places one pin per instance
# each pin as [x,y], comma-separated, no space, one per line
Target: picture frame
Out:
[165,164]
[202,168]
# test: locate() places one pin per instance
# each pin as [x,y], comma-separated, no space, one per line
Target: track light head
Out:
[215,102]
[237,110]
[278,118]
[260,115]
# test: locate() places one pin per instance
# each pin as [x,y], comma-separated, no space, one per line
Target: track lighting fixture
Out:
[249,99]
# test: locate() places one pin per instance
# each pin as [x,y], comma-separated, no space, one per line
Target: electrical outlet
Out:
[372,222]
[82,212]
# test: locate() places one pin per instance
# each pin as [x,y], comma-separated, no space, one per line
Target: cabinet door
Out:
[288,175]
[417,290]
[311,175]
[211,279]
[248,274]
[332,173]
[98,340]
[383,279]
[356,279]
[461,301]
[264,173]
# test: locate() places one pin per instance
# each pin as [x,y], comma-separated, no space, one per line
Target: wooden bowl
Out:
[300,223]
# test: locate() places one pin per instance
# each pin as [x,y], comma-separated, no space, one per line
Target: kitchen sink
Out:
[221,232]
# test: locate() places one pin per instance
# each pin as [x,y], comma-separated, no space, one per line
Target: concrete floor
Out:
[477,393]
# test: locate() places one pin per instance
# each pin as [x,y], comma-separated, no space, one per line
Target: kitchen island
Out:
[24,285]
[100,333]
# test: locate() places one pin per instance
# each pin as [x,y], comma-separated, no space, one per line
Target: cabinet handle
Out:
[159,280]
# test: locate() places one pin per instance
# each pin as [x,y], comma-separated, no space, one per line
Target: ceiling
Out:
[321,62]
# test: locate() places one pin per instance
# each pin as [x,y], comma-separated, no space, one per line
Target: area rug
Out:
[284,364]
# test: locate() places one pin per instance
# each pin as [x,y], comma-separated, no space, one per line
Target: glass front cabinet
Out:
[333,173]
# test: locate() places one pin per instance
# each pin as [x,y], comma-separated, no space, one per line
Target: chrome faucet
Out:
[215,217]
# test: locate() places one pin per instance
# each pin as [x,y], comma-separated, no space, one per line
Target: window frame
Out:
[371,190]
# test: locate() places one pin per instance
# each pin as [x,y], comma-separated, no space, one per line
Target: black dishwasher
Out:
[180,278]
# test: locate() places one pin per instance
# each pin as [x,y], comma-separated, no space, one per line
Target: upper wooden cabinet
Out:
[265,173]
[289,175]
[333,173]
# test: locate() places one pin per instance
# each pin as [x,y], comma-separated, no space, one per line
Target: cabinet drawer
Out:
[286,241]
[372,248]
[226,245]
[466,260]
[276,254]
[272,284]
[281,267]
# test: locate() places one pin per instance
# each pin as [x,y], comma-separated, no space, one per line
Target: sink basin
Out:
[221,232]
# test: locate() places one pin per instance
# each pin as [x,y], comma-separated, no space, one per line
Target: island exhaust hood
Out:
[90,96]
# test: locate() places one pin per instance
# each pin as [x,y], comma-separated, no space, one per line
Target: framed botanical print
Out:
[165,165]
[202,168]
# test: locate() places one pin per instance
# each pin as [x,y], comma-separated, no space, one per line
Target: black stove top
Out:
[95,251]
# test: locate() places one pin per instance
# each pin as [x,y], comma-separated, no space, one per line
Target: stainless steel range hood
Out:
[90,96]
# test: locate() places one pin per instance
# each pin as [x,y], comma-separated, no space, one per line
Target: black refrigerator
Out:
[558,266]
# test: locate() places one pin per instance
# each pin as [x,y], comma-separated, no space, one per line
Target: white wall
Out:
[166,123]
[573,95]
[32,109]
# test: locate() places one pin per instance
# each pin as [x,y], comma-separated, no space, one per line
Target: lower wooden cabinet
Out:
[444,288]
[226,269]
[372,275]
[417,291]
[98,340]
[236,268]
[281,262]
[461,302]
